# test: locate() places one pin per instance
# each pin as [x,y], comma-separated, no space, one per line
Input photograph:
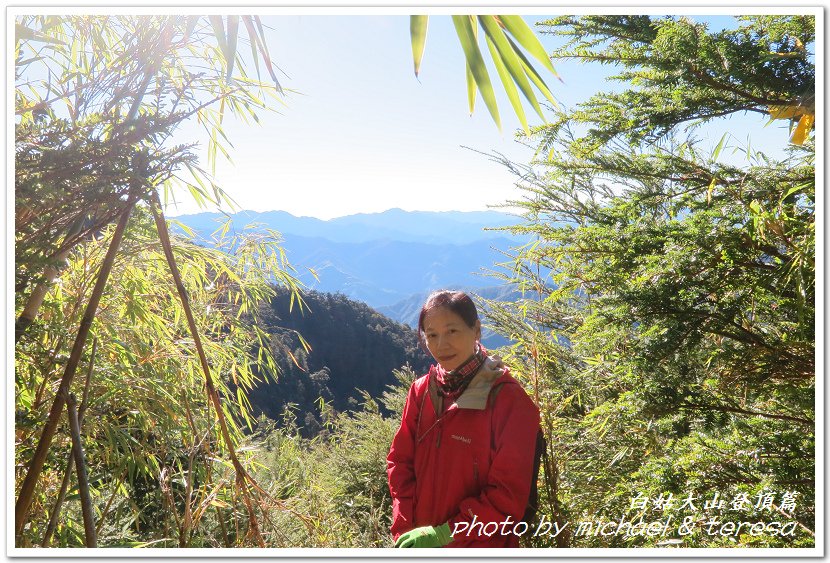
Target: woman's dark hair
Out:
[456,301]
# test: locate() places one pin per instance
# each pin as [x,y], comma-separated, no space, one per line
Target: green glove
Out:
[426,536]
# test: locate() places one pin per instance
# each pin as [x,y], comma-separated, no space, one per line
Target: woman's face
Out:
[449,339]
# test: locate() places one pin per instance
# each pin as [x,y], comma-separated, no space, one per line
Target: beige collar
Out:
[475,395]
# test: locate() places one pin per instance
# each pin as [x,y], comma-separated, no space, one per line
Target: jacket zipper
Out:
[475,471]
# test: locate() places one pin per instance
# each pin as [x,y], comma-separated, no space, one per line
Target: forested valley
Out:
[171,394]
[331,356]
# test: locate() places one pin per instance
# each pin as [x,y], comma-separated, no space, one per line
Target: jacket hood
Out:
[478,390]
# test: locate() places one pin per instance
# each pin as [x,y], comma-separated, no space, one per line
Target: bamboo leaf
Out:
[471,88]
[786,111]
[249,25]
[471,83]
[418,36]
[263,48]
[23,33]
[525,36]
[719,147]
[509,86]
[794,189]
[306,346]
[533,75]
[467,36]
[233,32]
[511,61]
[219,32]
[190,26]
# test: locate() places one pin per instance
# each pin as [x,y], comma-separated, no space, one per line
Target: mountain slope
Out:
[353,348]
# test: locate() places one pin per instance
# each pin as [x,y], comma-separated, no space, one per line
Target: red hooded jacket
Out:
[470,465]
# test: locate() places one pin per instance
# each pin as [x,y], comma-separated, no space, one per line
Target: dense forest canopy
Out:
[352,351]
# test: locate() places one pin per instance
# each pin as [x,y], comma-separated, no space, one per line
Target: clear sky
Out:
[364,135]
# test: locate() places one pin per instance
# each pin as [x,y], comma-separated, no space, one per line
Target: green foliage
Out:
[152,445]
[668,319]
[125,67]
[96,101]
[666,330]
[680,74]
[334,485]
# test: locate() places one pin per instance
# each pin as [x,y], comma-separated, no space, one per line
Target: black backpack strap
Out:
[540,450]
[436,398]
[533,499]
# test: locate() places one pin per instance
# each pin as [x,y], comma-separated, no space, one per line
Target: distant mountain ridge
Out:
[433,227]
[383,258]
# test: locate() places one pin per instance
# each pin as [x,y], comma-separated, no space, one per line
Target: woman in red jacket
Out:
[461,463]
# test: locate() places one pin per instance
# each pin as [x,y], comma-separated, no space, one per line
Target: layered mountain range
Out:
[388,260]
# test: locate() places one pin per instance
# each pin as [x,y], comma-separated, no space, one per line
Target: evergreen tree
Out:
[668,319]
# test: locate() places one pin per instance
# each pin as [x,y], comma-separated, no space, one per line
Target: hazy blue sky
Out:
[364,135]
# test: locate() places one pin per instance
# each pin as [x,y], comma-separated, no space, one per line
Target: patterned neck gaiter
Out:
[452,383]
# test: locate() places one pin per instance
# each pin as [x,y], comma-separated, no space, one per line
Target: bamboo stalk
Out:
[90,537]
[242,477]
[50,273]
[187,518]
[53,517]
[167,491]
[222,529]
[56,509]
[27,489]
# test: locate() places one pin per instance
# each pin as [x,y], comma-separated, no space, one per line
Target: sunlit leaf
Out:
[471,88]
[711,189]
[805,125]
[252,39]
[219,33]
[509,86]
[510,60]
[190,26]
[263,49]
[525,36]
[533,75]
[418,35]
[233,32]
[23,33]
[719,147]
[467,35]
[787,111]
